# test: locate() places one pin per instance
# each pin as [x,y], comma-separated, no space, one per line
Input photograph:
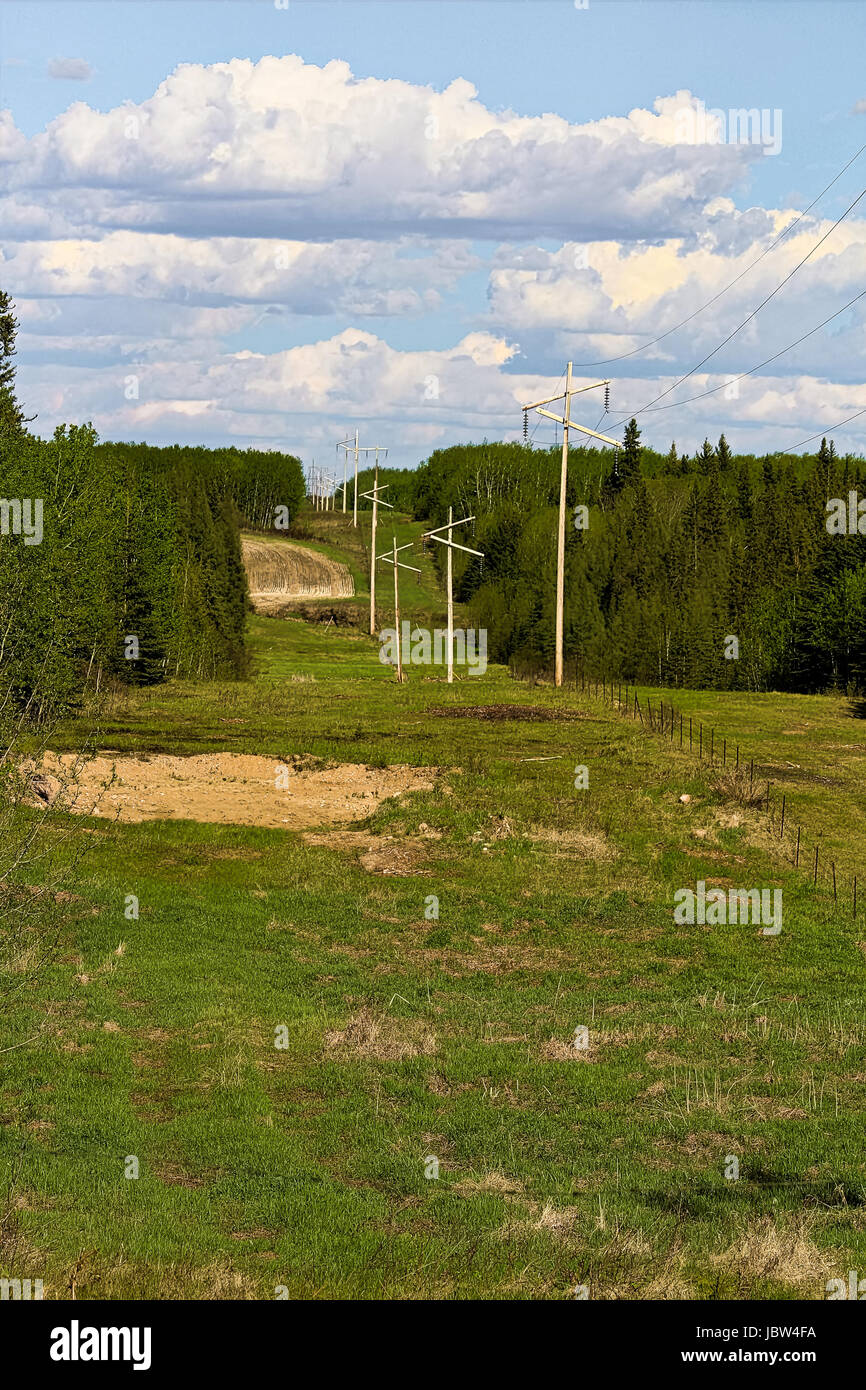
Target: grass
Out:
[285,1040]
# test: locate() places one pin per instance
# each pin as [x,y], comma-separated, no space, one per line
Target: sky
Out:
[269,224]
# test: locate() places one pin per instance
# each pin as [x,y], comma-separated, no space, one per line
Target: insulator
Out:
[525,426]
[606,399]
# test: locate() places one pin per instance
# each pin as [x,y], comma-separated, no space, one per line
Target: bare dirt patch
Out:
[225,788]
[379,854]
[279,570]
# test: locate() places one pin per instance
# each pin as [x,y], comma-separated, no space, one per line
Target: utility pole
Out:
[452,546]
[357,449]
[377,502]
[567,423]
[341,445]
[398,565]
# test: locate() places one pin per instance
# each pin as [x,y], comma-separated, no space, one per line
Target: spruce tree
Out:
[11,417]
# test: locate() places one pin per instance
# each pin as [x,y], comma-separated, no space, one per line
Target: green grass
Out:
[304,1166]
[332,534]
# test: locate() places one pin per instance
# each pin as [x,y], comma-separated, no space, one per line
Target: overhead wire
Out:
[603,361]
[767,360]
[667,391]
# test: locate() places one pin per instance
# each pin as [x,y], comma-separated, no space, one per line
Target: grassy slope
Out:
[333,535]
[304,1167]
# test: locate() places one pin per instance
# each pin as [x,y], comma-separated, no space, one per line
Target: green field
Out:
[412,1041]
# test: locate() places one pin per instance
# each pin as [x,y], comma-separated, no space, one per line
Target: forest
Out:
[135,574]
[673,556]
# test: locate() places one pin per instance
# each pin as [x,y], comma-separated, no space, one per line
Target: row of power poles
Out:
[438,533]
[374,495]
[352,446]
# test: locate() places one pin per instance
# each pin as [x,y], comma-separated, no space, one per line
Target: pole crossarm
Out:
[454,546]
[363,448]
[373,495]
[572,391]
[392,554]
[447,527]
[400,565]
[573,425]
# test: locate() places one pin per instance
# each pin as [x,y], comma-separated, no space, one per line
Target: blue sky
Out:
[434,277]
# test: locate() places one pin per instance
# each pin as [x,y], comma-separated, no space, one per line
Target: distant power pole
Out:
[398,565]
[357,449]
[567,423]
[377,502]
[452,546]
[342,445]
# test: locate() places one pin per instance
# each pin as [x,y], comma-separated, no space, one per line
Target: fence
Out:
[678,728]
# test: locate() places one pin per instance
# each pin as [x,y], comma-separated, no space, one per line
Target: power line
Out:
[767,360]
[604,361]
[823,433]
[631,414]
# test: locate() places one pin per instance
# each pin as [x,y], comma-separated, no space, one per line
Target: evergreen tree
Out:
[723,453]
[11,417]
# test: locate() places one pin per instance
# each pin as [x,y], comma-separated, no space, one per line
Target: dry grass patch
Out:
[383,1038]
[495,1183]
[787,1253]
[581,844]
[734,785]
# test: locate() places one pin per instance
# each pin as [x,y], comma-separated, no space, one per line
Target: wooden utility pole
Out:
[397,615]
[398,565]
[452,546]
[567,423]
[450,582]
[377,502]
[357,449]
[341,445]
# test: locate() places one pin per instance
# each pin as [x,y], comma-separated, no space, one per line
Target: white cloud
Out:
[70,69]
[604,299]
[305,397]
[284,147]
[142,238]
[353,277]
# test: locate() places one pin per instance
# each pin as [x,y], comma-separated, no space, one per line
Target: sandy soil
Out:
[278,570]
[224,788]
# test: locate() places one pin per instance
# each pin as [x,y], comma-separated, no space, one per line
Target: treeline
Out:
[122,561]
[672,558]
[266,487]
[400,488]
[137,571]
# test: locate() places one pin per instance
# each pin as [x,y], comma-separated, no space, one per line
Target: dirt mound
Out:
[281,570]
[381,854]
[223,788]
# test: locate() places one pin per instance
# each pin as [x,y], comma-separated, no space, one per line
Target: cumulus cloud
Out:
[354,277]
[304,396]
[602,299]
[70,69]
[281,146]
[141,241]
